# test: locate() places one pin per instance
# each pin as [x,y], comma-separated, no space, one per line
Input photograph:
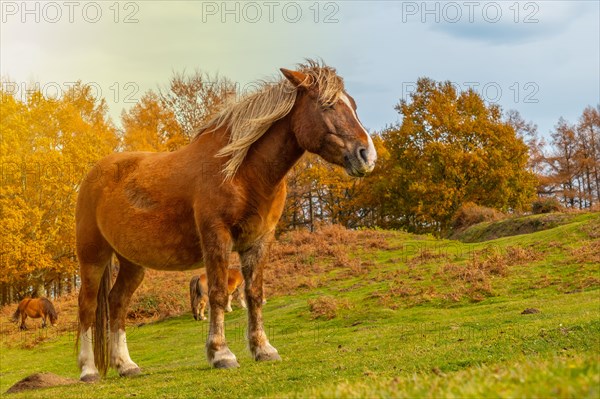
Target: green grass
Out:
[514,226]
[420,342]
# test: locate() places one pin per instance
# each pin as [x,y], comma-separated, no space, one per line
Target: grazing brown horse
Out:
[199,292]
[191,208]
[35,308]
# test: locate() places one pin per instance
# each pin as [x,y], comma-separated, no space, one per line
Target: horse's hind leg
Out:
[228,307]
[94,258]
[239,292]
[194,298]
[252,269]
[23,317]
[195,304]
[129,278]
[202,308]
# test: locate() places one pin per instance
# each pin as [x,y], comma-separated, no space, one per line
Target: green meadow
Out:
[421,317]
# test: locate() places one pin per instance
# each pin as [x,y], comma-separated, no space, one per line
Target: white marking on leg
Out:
[228,307]
[119,353]
[86,354]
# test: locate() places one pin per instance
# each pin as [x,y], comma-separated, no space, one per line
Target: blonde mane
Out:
[248,119]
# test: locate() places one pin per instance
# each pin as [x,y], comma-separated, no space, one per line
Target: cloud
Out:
[507,23]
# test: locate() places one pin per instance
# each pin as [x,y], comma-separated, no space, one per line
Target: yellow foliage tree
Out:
[452,148]
[169,120]
[47,146]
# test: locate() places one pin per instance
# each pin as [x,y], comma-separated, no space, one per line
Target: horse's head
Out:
[326,123]
[53,319]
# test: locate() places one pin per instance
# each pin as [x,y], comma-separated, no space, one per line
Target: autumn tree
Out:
[588,140]
[46,148]
[151,126]
[563,162]
[452,148]
[169,119]
[573,161]
[319,192]
[194,98]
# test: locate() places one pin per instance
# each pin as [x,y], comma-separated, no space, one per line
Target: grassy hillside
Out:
[513,226]
[377,314]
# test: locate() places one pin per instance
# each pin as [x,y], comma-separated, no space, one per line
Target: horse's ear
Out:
[297,78]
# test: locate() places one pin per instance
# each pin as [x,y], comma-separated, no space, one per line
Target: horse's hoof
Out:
[266,353]
[267,357]
[223,359]
[226,364]
[90,378]
[133,371]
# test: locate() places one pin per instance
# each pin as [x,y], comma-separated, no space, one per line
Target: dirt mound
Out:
[40,380]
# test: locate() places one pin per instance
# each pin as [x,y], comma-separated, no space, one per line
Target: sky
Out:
[541,58]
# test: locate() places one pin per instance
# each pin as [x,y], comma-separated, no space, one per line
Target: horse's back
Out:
[24,303]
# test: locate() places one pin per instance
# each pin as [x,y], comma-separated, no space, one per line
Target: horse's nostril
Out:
[362,153]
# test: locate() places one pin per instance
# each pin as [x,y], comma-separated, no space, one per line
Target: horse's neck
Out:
[267,161]
[273,155]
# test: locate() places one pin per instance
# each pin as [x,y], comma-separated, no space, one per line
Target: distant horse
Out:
[35,308]
[191,208]
[199,292]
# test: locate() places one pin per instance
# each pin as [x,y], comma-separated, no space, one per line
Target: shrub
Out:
[326,307]
[546,205]
[470,214]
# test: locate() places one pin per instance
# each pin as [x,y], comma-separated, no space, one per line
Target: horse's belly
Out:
[161,255]
[155,240]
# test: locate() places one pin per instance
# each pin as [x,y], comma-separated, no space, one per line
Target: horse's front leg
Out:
[216,247]
[252,268]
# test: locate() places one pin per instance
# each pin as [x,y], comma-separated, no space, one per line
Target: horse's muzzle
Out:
[361,162]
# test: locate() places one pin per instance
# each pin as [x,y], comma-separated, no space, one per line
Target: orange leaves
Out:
[451,148]
[47,145]
[169,120]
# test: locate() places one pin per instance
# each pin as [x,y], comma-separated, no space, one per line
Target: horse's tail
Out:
[101,350]
[15,316]
[195,294]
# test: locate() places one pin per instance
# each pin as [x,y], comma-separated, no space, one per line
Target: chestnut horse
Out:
[191,208]
[35,308]
[199,292]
